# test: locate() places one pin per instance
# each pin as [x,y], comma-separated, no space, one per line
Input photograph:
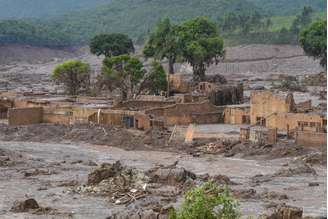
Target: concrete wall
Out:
[25,116]
[311,138]
[265,103]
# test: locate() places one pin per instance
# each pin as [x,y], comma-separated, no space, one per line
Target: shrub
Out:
[208,201]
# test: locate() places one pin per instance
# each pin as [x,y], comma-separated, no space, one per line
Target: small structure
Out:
[258,135]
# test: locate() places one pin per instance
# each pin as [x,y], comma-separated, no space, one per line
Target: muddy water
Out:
[13,185]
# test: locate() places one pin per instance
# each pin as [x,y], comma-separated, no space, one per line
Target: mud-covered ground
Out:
[57,175]
[26,68]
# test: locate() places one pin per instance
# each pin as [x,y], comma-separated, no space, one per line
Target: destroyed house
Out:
[276,110]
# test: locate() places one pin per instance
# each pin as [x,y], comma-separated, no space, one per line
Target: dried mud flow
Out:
[73,177]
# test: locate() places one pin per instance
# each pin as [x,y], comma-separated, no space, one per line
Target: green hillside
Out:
[44,8]
[137,17]
[288,7]
[279,22]
[76,21]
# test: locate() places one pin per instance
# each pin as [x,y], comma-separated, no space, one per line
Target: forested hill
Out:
[288,7]
[44,8]
[137,17]
[63,22]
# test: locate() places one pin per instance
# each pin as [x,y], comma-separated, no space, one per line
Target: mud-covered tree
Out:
[114,44]
[200,44]
[123,72]
[74,74]
[162,43]
[314,41]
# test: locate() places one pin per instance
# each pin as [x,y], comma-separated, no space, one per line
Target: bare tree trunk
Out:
[199,72]
[171,65]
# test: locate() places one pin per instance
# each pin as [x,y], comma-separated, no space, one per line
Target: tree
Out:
[207,201]
[74,74]
[314,41]
[162,43]
[302,20]
[124,72]
[155,80]
[200,44]
[111,45]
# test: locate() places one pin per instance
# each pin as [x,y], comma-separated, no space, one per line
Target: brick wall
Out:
[62,115]
[284,121]
[24,116]
[311,138]
[265,103]
[236,115]
[186,113]
[116,118]
[142,104]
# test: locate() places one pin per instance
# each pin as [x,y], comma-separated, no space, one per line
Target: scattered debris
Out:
[297,168]
[285,212]
[25,205]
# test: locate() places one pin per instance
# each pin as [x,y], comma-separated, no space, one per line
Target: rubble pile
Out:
[296,168]
[146,194]
[170,175]
[285,212]
[31,206]
[86,133]
[25,205]
[123,185]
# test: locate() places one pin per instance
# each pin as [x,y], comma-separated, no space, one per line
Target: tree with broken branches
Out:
[123,72]
[74,74]
[200,44]
[163,43]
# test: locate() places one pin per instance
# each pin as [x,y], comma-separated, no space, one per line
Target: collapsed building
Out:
[260,121]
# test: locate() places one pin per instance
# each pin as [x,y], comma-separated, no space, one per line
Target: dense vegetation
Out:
[137,17]
[43,8]
[314,41]
[207,201]
[288,7]
[19,31]
[74,74]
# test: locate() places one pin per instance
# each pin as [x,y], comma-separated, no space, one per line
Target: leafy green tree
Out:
[207,201]
[156,79]
[162,43]
[314,41]
[302,20]
[74,74]
[114,44]
[124,72]
[200,44]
